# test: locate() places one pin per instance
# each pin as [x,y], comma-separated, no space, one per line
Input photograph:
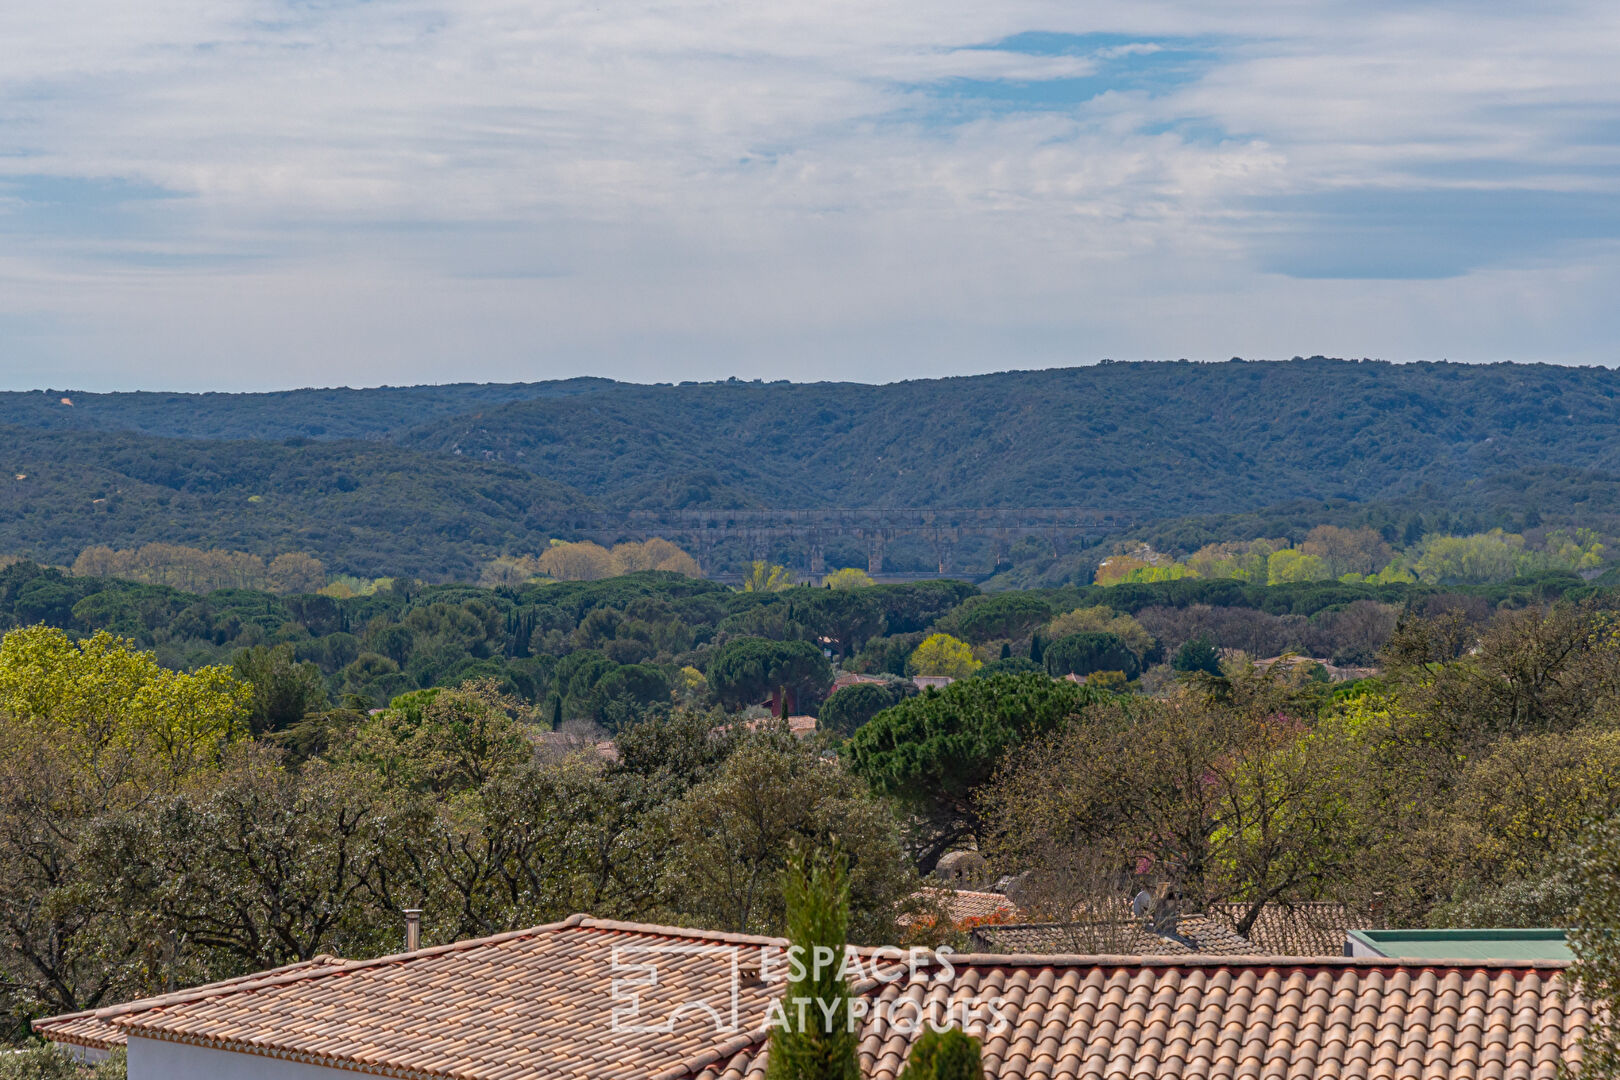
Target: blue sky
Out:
[236,194]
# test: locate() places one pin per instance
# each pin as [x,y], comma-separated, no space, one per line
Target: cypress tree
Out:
[815,887]
[1036,650]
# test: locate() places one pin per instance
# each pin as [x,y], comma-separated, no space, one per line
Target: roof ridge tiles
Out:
[590,923]
[1215,960]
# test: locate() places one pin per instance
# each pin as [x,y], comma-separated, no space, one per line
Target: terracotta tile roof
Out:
[529,1004]
[1335,672]
[567,742]
[95,1027]
[1313,928]
[964,904]
[965,908]
[1316,928]
[1122,937]
[1091,1018]
[801,726]
[537,1004]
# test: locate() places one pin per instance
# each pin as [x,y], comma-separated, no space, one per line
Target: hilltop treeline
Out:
[473,473]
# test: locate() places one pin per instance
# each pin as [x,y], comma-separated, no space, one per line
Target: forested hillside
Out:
[334,413]
[1203,452]
[366,508]
[1169,439]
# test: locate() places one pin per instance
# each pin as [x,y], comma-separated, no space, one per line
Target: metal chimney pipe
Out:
[413,929]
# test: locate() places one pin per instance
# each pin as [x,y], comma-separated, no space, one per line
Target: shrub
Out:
[944,1055]
[44,1062]
[1197,654]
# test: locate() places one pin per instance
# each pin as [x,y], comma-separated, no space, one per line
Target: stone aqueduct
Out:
[702,532]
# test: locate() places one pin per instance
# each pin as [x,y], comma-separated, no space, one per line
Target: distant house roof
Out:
[1198,935]
[540,1003]
[1488,944]
[1312,928]
[1335,672]
[562,740]
[966,904]
[855,678]
[798,725]
[963,909]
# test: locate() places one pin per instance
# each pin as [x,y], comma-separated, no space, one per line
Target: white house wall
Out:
[152,1059]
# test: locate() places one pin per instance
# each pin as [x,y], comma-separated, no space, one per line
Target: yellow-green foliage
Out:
[345,586]
[689,686]
[203,570]
[1285,809]
[1139,563]
[764,577]
[1102,620]
[1330,553]
[103,701]
[585,561]
[1173,572]
[1292,564]
[941,654]
[1243,561]
[1491,556]
[850,577]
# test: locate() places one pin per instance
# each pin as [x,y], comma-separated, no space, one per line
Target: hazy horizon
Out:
[313,388]
[248,194]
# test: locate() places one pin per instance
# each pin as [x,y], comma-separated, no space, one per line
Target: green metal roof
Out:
[1494,944]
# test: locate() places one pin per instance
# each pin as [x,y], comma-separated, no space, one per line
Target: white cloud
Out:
[401,189]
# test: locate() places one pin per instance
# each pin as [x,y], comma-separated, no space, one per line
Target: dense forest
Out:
[366,508]
[1201,452]
[602,652]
